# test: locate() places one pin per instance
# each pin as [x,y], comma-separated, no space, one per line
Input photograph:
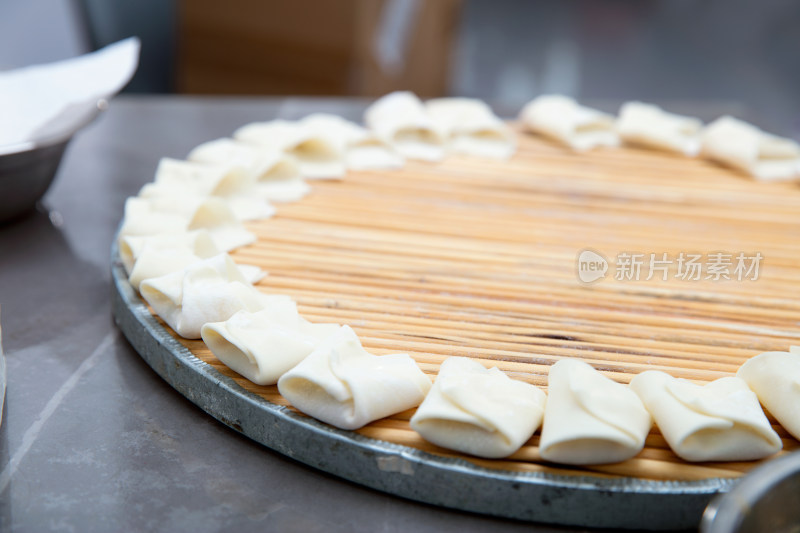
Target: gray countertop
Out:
[92,439]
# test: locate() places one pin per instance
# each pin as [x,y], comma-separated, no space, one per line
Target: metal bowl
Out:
[767,499]
[27,169]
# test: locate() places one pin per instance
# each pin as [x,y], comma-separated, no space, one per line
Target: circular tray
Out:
[401,470]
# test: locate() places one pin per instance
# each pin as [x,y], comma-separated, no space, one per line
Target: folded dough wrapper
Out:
[336,129]
[472,128]
[162,254]
[362,149]
[199,241]
[342,384]
[264,345]
[775,378]
[147,216]
[478,411]
[156,255]
[227,151]
[400,120]
[140,221]
[184,185]
[277,174]
[719,421]
[589,418]
[650,126]
[561,118]
[252,206]
[211,290]
[740,145]
[317,156]
[219,179]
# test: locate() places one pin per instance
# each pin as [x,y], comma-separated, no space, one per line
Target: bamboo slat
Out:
[477,258]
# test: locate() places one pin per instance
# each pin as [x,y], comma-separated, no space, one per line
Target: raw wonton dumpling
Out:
[563,119]
[317,156]
[199,241]
[277,174]
[478,411]
[145,216]
[743,146]
[158,255]
[185,200]
[342,384]
[400,120]
[155,255]
[264,345]
[211,290]
[252,273]
[649,125]
[719,421]
[182,184]
[140,220]
[589,418]
[775,378]
[362,149]
[472,128]
[210,180]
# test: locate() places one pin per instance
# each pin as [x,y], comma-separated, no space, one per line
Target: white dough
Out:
[318,157]
[472,128]
[740,145]
[158,255]
[563,119]
[362,149]
[198,241]
[283,190]
[184,184]
[211,290]
[650,126]
[209,180]
[719,421]
[145,216]
[183,200]
[277,174]
[155,263]
[252,273]
[264,345]
[140,220]
[775,378]
[342,384]
[400,120]
[589,418]
[478,411]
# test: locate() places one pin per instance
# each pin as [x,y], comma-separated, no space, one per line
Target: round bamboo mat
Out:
[477,258]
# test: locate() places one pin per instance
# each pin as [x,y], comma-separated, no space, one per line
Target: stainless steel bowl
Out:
[28,169]
[766,500]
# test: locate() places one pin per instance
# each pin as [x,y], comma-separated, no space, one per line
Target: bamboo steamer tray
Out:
[477,258]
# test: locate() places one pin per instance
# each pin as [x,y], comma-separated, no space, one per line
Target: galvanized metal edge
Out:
[627,503]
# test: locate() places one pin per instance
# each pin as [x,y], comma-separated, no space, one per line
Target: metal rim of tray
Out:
[628,503]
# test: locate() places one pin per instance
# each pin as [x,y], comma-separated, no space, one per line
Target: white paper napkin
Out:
[41,101]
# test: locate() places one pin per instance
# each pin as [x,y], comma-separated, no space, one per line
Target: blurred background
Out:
[733,55]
